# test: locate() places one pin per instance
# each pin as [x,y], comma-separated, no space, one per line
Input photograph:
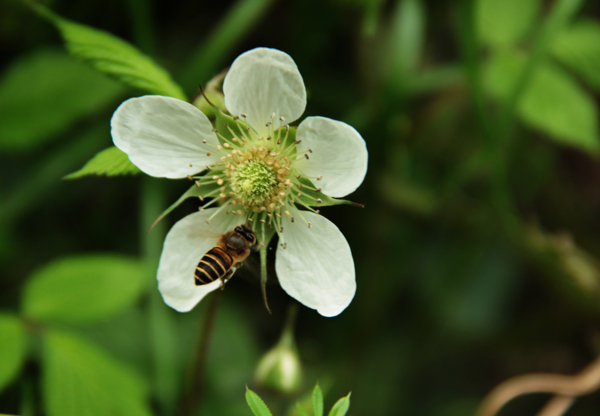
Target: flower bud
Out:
[280,368]
[215,97]
[213,92]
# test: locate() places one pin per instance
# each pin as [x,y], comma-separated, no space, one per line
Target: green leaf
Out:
[109,162]
[13,348]
[502,23]
[113,56]
[301,409]
[579,49]
[258,407]
[80,379]
[44,93]
[552,103]
[340,408]
[406,39]
[83,289]
[317,399]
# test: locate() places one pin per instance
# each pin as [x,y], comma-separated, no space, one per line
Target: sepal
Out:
[200,190]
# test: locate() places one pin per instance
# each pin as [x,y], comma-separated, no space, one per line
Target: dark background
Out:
[476,253]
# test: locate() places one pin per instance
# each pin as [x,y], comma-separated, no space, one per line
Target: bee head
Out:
[249,235]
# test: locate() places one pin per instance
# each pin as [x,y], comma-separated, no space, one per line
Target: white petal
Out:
[316,267]
[261,82]
[162,136]
[187,242]
[339,155]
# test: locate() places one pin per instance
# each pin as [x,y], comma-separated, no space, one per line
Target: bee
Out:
[226,256]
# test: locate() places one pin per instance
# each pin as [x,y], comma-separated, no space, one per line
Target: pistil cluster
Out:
[256,175]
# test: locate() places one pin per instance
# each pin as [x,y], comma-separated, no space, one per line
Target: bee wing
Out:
[212,235]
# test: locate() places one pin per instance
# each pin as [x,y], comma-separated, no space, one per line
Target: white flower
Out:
[261,169]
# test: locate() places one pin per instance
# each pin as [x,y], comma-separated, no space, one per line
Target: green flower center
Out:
[253,181]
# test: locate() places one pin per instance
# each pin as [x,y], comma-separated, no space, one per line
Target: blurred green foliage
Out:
[477,252]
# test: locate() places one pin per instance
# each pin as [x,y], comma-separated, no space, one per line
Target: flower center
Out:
[253,181]
[257,178]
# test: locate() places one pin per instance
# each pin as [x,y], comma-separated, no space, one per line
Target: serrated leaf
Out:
[44,93]
[258,407]
[579,49]
[108,162]
[552,103]
[340,408]
[317,400]
[83,289]
[502,23]
[12,348]
[113,56]
[80,379]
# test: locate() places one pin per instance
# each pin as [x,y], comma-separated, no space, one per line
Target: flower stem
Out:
[189,403]
[161,326]
[263,272]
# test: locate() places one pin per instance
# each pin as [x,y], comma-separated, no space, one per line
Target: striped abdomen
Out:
[214,265]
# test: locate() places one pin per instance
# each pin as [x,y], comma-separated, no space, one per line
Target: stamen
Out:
[221,208]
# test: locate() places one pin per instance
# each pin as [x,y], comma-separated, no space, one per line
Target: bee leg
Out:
[225,278]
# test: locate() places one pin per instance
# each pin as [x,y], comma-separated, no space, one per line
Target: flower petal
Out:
[187,242]
[316,267]
[339,155]
[261,82]
[162,136]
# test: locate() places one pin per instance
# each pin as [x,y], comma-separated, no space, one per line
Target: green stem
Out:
[27,397]
[469,44]
[161,324]
[238,21]
[499,152]
[141,19]
[263,273]
[190,402]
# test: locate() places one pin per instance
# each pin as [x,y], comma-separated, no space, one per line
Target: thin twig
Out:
[571,386]
[557,406]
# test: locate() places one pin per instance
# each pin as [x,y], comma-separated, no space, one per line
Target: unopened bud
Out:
[280,368]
